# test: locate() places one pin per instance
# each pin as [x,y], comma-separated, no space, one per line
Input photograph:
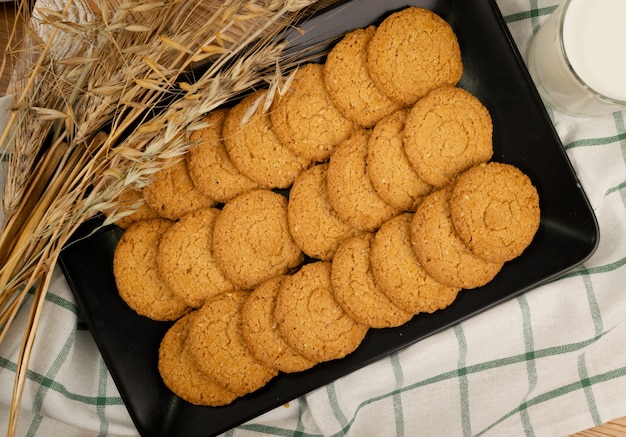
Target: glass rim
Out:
[601,96]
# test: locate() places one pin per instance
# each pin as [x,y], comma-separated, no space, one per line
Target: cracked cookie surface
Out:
[495,210]
[186,262]
[350,191]
[172,193]
[180,372]
[388,167]
[137,275]
[399,274]
[413,52]
[305,119]
[210,167]
[310,319]
[447,132]
[255,149]
[313,223]
[439,249]
[218,347]
[356,290]
[251,239]
[260,330]
[349,84]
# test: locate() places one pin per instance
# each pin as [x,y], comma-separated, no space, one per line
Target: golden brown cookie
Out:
[216,343]
[441,252]
[350,190]
[172,194]
[315,226]
[260,330]
[186,262]
[181,374]
[398,273]
[310,319]
[349,84]
[305,119]
[251,239]
[413,52]
[388,167]
[131,207]
[355,289]
[137,276]
[447,132]
[210,168]
[255,149]
[495,210]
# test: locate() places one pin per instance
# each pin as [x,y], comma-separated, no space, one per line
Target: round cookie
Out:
[413,52]
[447,132]
[388,167]
[255,149]
[186,262]
[355,289]
[305,119]
[137,275]
[172,194]
[349,84]
[495,210]
[251,239]
[261,334]
[216,343]
[398,273]
[314,225]
[181,374]
[350,190]
[310,319]
[131,207]
[439,249]
[210,168]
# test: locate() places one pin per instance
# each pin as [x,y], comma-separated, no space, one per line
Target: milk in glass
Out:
[578,57]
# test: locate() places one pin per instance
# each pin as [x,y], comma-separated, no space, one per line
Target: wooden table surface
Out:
[614,428]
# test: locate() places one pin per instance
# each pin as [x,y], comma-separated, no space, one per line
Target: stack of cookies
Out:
[363,197]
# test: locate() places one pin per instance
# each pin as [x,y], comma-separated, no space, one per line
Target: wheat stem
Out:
[38,65]
[40,178]
[101,107]
[47,260]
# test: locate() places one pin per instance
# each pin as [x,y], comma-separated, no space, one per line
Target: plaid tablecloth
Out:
[550,362]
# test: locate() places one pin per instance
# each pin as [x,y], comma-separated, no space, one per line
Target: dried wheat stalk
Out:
[87,123]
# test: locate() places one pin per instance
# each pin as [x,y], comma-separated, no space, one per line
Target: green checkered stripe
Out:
[326,412]
[41,384]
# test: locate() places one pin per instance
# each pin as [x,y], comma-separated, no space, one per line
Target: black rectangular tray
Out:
[523,136]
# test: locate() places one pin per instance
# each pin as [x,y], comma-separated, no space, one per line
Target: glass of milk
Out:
[577,59]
